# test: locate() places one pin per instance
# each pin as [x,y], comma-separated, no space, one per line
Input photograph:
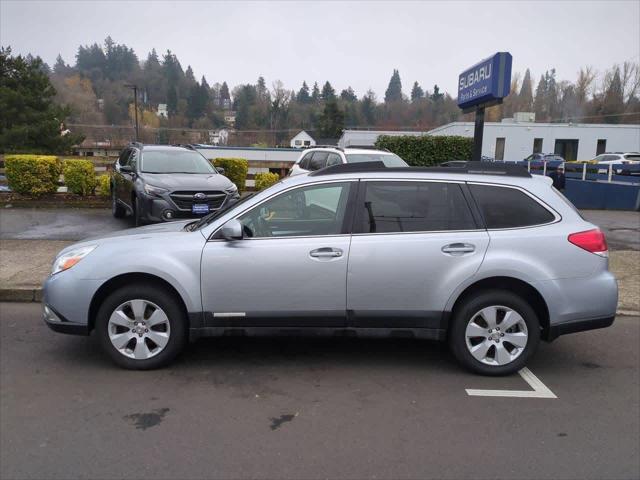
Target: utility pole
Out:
[135,104]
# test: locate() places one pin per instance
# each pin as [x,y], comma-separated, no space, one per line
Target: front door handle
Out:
[326,252]
[458,248]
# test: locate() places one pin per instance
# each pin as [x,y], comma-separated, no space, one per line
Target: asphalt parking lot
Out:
[305,408]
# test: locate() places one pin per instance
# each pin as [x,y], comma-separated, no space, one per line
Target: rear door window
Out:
[318,161]
[390,207]
[334,159]
[504,207]
[304,163]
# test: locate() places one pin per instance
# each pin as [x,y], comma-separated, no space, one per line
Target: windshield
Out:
[389,159]
[204,221]
[174,161]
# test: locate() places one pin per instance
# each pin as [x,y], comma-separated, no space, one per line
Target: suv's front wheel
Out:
[494,332]
[141,327]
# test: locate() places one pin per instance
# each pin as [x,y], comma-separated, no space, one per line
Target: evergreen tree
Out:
[348,95]
[436,96]
[331,120]
[29,119]
[61,68]
[225,97]
[525,97]
[315,93]
[328,93]
[394,90]
[172,100]
[303,94]
[539,105]
[189,74]
[416,92]
[368,106]
[613,101]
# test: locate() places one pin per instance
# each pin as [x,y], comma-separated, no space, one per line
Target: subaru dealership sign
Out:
[486,83]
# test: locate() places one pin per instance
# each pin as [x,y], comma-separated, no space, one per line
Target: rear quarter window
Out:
[504,207]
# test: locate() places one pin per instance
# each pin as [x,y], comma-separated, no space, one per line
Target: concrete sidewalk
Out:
[24,264]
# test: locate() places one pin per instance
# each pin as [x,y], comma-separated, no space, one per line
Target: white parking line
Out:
[540,390]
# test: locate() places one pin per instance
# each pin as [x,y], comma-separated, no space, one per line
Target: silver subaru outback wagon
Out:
[488,258]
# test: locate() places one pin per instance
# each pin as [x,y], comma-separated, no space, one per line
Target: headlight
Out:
[154,191]
[69,259]
[231,189]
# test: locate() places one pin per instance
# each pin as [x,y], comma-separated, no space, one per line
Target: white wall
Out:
[367,138]
[519,137]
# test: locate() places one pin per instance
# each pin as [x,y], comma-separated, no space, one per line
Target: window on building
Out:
[567,149]
[391,207]
[499,155]
[504,207]
[602,146]
[298,142]
[307,143]
[537,145]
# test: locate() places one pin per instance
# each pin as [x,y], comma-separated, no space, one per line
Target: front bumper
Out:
[154,209]
[58,323]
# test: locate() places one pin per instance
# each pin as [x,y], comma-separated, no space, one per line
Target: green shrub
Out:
[80,176]
[32,174]
[235,169]
[426,150]
[104,185]
[265,180]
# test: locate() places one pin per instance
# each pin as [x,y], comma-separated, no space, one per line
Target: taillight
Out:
[592,241]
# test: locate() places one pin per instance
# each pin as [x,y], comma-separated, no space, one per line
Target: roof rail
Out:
[326,146]
[368,147]
[476,168]
[184,145]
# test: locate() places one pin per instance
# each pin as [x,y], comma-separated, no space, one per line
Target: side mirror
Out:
[232,230]
[220,170]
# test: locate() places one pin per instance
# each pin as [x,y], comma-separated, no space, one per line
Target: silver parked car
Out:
[484,256]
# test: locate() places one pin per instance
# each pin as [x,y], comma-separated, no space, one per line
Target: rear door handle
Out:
[458,248]
[326,252]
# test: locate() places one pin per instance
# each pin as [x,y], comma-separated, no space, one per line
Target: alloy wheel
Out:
[139,329]
[496,335]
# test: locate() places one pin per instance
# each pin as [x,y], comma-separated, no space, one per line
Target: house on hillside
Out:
[162,110]
[302,140]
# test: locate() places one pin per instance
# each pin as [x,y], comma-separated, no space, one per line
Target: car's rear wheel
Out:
[141,327]
[494,332]
[117,210]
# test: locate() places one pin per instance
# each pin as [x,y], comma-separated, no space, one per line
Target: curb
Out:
[20,295]
[35,295]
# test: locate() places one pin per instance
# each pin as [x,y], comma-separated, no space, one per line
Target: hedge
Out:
[33,174]
[80,177]
[427,150]
[235,169]
[104,185]
[265,180]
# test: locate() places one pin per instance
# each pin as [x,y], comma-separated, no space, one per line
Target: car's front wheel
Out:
[141,327]
[494,332]
[117,210]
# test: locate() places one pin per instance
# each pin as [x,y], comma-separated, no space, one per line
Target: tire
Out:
[137,214]
[155,338]
[117,210]
[470,331]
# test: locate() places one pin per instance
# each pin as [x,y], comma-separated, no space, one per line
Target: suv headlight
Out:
[154,191]
[69,259]
[231,189]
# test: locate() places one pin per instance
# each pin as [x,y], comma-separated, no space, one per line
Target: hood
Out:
[141,233]
[187,181]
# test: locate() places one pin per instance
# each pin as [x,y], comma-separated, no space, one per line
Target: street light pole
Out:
[135,104]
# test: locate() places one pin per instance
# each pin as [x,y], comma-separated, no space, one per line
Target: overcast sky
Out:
[355,43]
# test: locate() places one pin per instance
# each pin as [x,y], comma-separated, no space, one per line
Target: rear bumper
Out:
[578,326]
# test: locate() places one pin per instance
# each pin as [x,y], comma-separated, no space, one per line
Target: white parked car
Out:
[317,158]
[616,159]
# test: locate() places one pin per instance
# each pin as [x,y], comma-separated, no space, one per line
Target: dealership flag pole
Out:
[477,135]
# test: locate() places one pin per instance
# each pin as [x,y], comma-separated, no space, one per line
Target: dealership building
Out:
[515,139]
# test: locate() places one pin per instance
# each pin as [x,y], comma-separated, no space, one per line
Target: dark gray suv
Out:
[156,183]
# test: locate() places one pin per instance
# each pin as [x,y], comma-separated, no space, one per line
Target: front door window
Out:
[309,211]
